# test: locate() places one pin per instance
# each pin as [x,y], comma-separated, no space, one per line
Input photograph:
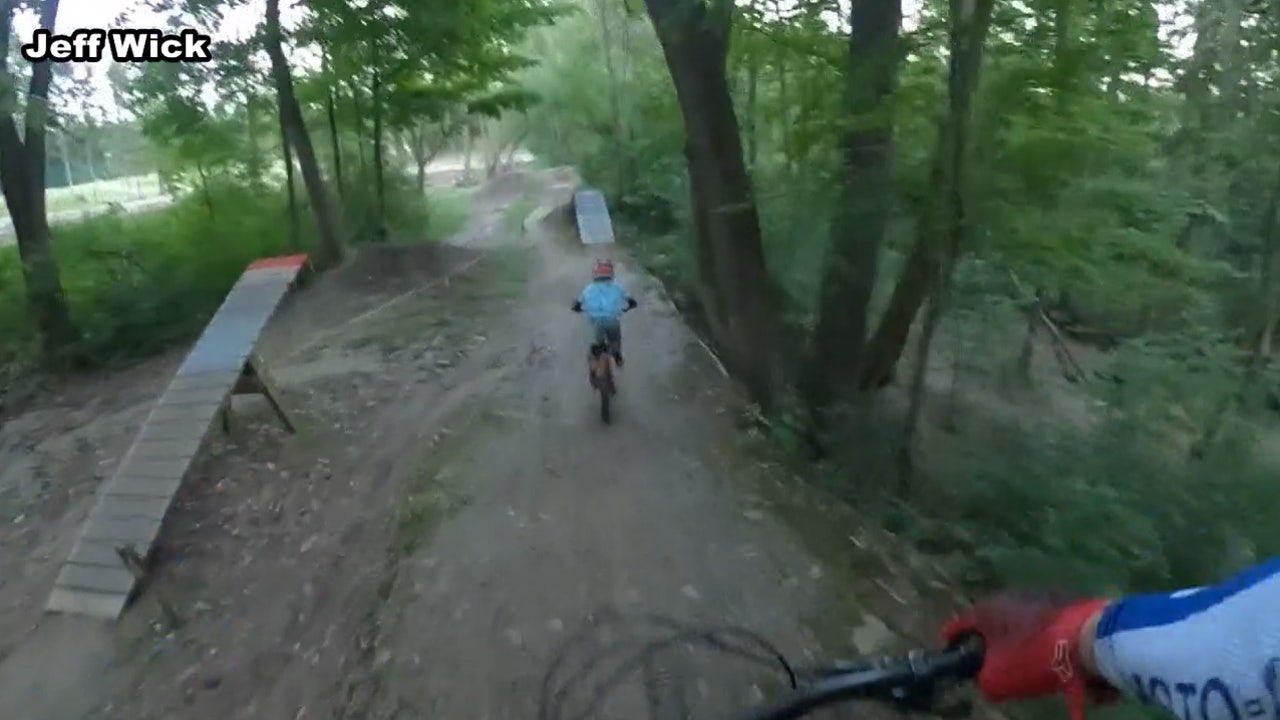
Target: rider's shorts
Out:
[607,329]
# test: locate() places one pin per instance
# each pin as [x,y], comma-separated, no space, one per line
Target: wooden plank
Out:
[142,486]
[131,506]
[104,606]
[216,378]
[97,578]
[195,396]
[89,552]
[234,335]
[138,532]
[195,415]
[156,432]
[210,362]
[154,468]
[592,213]
[162,449]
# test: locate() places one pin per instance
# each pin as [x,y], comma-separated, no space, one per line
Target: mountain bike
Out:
[601,361]
[917,682]
[601,365]
[914,683]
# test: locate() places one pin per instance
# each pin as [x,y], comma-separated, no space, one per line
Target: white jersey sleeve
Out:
[1209,653]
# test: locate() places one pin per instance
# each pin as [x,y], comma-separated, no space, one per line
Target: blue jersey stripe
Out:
[1143,611]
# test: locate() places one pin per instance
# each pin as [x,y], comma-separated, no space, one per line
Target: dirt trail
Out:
[554,516]
[453,509]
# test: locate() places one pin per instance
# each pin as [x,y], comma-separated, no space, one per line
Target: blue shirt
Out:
[603,300]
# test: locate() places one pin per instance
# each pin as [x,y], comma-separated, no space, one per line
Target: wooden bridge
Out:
[592,215]
[109,557]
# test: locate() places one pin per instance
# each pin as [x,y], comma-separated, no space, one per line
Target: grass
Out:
[434,495]
[514,215]
[432,317]
[447,211]
[86,196]
[136,284]
[139,284]
[436,491]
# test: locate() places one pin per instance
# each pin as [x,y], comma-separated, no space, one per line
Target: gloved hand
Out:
[576,306]
[631,303]
[1032,648]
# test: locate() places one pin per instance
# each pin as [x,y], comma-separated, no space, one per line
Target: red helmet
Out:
[603,270]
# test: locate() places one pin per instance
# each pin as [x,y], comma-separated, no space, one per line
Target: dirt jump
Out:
[449,514]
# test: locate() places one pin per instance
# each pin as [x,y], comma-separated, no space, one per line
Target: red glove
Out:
[1032,648]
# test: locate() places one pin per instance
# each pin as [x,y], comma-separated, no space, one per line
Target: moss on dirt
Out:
[434,495]
[437,490]
[447,312]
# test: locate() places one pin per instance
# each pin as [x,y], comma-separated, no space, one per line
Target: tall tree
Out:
[737,295]
[330,248]
[945,224]
[22,179]
[866,190]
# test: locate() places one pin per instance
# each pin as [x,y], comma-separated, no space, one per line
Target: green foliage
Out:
[1099,177]
[139,284]
[447,212]
[1105,509]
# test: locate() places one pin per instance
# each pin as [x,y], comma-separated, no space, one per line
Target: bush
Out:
[1108,504]
[446,212]
[138,284]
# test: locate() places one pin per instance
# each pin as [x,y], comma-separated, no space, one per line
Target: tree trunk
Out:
[470,146]
[1268,298]
[204,188]
[925,258]
[335,145]
[378,180]
[1191,148]
[22,180]
[970,21]
[418,147]
[65,152]
[866,184]
[358,112]
[331,114]
[295,226]
[329,251]
[751,132]
[622,181]
[91,152]
[695,43]
[1026,357]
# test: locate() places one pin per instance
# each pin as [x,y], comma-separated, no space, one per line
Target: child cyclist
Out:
[1208,653]
[604,300]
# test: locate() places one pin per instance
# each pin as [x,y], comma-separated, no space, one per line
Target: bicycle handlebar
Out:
[907,682]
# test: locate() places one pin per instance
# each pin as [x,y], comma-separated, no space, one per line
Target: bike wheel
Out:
[606,392]
[664,688]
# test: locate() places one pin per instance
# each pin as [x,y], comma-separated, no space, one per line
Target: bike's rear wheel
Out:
[606,395]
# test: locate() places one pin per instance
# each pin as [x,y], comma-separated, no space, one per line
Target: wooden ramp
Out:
[592,214]
[109,557]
